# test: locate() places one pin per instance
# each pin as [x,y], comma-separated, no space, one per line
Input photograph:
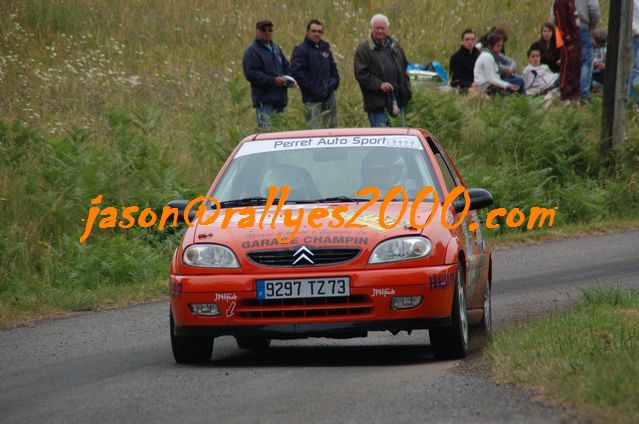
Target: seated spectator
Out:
[462,63]
[507,66]
[547,45]
[538,77]
[599,40]
[486,70]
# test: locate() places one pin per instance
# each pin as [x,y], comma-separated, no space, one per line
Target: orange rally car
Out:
[281,282]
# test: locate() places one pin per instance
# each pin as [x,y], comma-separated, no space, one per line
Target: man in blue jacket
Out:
[314,69]
[265,66]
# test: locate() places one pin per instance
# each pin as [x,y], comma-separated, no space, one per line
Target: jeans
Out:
[322,114]
[264,113]
[634,76]
[518,81]
[382,119]
[586,64]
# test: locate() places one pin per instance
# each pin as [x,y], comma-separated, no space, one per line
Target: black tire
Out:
[452,342]
[190,349]
[253,342]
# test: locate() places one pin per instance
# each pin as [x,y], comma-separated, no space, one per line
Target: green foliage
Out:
[40,250]
[143,101]
[527,155]
[586,356]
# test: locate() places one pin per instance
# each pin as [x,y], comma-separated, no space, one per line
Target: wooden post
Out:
[618,64]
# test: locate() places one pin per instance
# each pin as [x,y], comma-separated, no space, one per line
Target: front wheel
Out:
[452,342]
[190,349]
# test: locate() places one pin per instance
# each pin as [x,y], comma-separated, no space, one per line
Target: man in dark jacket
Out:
[314,69]
[380,69]
[564,14]
[265,66]
[462,63]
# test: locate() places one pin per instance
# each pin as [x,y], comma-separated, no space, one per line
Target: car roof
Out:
[333,132]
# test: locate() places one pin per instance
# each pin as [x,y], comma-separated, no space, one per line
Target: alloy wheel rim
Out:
[462,306]
[488,312]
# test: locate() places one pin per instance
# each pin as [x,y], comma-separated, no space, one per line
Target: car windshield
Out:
[327,168]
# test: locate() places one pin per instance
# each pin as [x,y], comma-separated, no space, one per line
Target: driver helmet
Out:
[383,168]
[285,175]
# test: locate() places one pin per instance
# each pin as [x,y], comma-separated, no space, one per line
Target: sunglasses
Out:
[267,29]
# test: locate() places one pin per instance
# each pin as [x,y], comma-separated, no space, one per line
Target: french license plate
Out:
[296,288]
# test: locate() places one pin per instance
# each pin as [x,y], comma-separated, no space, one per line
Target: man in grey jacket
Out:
[589,15]
[380,69]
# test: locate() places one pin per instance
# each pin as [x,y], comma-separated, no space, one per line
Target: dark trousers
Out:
[569,85]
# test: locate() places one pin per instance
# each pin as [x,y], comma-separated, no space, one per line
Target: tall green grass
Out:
[142,101]
[586,356]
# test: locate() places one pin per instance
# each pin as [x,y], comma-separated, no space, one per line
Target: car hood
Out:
[246,240]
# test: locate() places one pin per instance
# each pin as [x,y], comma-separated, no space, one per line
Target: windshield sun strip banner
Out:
[387,141]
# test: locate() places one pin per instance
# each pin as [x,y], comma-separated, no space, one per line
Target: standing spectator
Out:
[564,13]
[314,69]
[462,63]
[380,69]
[487,70]
[538,77]
[589,15]
[634,78]
[599,40]
[547,45]
[265,66]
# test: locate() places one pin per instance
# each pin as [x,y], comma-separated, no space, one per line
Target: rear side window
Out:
[450,178]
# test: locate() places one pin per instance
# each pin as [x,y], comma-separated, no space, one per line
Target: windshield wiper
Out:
[256,201]
[246,201]
[343,199]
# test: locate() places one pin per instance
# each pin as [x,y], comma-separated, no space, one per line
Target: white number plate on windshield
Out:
[296,288]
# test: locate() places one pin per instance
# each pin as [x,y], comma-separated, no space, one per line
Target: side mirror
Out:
[180,205]
[479,198]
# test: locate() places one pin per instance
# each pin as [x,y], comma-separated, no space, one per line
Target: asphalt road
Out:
[116,366]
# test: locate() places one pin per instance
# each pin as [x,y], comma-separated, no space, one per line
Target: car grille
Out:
[286,257]
[305,308]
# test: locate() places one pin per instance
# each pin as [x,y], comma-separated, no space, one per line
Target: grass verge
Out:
[586,356]
[65,302]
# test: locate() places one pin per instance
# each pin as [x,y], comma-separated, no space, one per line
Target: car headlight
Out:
[210,256]
[401,249]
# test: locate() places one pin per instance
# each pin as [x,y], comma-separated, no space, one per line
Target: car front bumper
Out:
[368,308]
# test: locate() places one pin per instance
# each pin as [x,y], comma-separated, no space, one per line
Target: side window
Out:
[449,178]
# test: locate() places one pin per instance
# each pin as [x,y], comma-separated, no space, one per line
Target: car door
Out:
[474,245]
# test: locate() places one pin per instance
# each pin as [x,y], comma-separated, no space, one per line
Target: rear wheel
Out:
[190,349]
[452,342]
[253,342]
